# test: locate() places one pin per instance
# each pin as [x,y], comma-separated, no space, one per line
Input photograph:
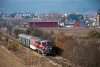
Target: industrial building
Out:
[40,23]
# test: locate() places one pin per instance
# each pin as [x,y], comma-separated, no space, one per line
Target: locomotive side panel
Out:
[33,44]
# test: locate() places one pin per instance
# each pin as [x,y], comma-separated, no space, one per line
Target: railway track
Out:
[59,62]
[7,35]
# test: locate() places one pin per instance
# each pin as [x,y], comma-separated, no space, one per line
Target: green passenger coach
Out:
[24,39]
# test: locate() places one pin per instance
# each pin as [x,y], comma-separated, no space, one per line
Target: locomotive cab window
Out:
[49,43]
[43,43]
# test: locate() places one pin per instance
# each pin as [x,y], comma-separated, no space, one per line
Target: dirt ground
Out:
[24,57]
[7,60]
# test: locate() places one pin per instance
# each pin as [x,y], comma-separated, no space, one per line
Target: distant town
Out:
[53,19]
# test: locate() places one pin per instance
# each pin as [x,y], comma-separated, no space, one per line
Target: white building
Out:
[98,18]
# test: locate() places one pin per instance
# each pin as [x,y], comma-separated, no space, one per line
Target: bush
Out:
[61,39]
[17,32]
[94,34]
[13,46]
[39,33]
[0,36]
[34,31]
[65,44]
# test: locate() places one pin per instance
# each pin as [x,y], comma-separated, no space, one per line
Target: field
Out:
[28,58]
[70,31]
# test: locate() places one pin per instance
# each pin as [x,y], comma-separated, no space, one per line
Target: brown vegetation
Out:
[13,46]
[94,34]
[86,54]
[26,56]
[17,32]
[81,51]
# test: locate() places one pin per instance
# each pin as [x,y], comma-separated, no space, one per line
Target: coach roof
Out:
[25,36]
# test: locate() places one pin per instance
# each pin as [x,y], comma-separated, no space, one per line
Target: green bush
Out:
[0,37]
[94,34]
[39,33]
[17,32]
[13,46]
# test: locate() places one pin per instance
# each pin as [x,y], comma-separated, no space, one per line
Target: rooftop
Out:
[43,21]
[98,12]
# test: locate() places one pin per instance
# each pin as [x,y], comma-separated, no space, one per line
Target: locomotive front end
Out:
[47,46]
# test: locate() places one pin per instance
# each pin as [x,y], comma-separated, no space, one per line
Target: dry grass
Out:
[69,31]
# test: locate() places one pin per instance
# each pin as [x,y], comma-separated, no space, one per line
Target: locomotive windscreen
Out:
[47,43]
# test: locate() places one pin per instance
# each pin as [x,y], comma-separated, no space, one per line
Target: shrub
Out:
[34,31]
[17,32]
[61,39]
[13,46]
[65,44]
[0,36]
[94,34]
[39,33]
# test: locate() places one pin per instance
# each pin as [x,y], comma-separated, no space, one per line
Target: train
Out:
[36,43]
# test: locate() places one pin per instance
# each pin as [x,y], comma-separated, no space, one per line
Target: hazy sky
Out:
[49,5]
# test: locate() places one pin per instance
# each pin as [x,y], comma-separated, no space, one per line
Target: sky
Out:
[45,6]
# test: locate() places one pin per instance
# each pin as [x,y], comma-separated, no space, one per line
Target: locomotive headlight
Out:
[43,48]
[50,47]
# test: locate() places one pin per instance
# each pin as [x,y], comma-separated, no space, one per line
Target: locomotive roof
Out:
[39,39]
[45,41]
